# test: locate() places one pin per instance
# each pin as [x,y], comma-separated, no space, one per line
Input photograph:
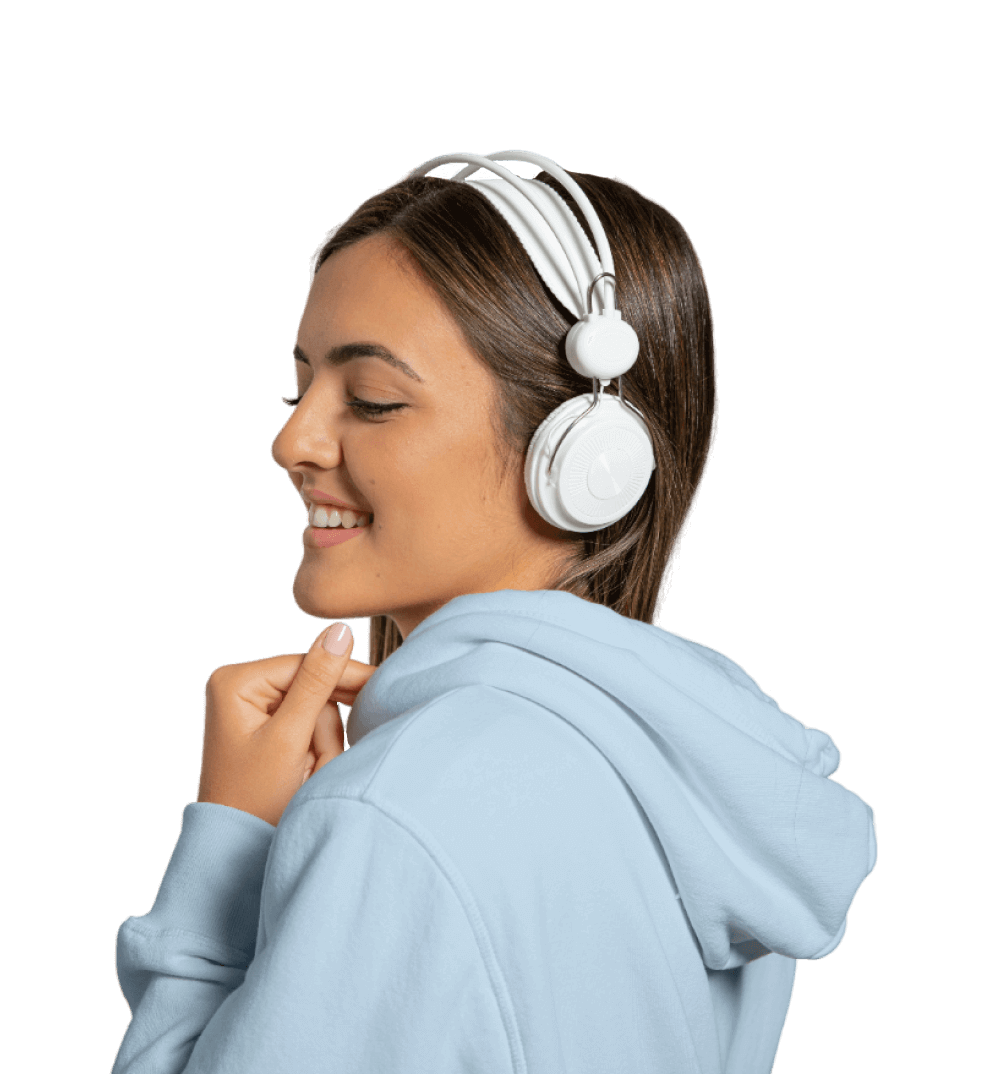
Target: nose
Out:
[305,440]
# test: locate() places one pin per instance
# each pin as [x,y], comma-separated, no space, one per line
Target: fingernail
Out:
[337,638]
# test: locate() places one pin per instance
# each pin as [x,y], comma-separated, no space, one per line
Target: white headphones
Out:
[603,470]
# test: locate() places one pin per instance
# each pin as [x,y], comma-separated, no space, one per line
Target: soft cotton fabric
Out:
[560,840]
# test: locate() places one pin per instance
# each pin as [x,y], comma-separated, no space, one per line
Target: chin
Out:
[318,599]
[319,596]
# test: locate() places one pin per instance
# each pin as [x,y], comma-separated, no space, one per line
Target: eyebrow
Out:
[347,352]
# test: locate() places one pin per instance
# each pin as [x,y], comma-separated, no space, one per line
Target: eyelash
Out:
[360,405]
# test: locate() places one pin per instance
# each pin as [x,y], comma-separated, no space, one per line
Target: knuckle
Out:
[316,679]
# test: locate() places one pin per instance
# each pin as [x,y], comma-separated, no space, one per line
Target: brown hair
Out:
[472,258]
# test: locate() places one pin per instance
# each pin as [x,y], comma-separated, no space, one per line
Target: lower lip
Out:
[324,537]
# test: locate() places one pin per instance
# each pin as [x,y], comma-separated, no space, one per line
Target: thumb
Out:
[317,678]
[336,642]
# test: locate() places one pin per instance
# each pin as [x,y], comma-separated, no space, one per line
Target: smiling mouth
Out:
[321,517]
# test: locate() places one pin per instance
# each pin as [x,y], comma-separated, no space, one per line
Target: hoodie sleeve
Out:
[350,951]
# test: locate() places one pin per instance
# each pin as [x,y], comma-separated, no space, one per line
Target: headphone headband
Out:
[544,223]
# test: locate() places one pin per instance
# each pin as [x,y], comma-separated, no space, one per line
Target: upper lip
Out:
[315,496]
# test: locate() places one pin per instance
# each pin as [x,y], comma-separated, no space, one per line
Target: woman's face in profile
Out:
[426,470]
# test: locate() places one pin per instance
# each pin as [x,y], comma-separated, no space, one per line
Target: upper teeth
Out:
[319,516]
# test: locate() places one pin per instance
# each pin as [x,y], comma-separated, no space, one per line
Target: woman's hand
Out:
[271,723]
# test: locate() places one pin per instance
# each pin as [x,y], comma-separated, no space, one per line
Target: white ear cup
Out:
[601,467]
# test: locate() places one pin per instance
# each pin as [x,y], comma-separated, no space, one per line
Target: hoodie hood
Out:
[765,851]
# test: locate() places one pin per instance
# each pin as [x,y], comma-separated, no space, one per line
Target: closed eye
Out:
[360,406]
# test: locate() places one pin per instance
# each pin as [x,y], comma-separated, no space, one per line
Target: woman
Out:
[562,839]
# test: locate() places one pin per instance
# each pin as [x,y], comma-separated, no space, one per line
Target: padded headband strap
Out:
[562,255]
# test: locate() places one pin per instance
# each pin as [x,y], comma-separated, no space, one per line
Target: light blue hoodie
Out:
[560,840]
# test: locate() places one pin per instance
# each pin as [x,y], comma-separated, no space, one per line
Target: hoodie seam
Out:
[465,899]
